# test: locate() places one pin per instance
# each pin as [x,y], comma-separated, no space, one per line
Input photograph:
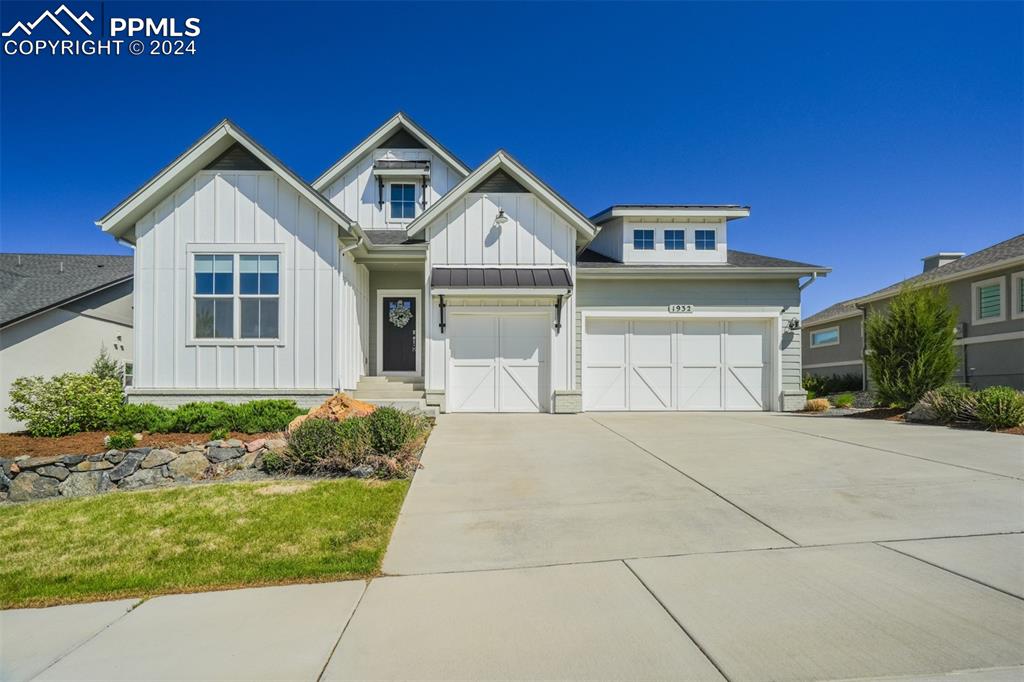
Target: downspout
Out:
[812,280]
[125,243]
[863,346]
[346,249]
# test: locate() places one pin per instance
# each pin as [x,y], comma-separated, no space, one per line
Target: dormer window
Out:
[675,240]
[704,240]
[643,240]
[402,205]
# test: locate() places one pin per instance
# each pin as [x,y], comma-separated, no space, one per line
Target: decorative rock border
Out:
[28,478]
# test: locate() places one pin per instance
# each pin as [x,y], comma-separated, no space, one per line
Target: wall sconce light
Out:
[501,218]
[793,324]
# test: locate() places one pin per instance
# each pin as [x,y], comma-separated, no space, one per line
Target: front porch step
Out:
[371,389]
[417,406]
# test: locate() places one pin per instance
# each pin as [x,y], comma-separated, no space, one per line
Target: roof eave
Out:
[727,212]
[626,271]
[66,301]
[952,277]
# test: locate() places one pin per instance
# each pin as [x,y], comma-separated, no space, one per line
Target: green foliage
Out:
[273,462]
[834,383]
[105,367]
[203,417]
[64,404]
[144,417]
[259,416]
[122,440]
[953,403]
[355,437]
[389,429]
[844,400]
[219,434]
[1000,407]
[910,346]
[313,440]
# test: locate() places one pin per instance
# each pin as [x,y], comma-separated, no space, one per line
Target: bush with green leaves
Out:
[843,400]
[219,434]
[274,462]
[105,367]
[832,383]
[64,404]
[314,440]
[953,403]
[910,346]
[259,416]
[137,417]
[389,429]
[203,417]
[122,440]
[1000,407]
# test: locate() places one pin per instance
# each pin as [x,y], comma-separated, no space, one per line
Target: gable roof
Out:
[390,133]
[31,283]
[208,149]
[837,311]
[503,161]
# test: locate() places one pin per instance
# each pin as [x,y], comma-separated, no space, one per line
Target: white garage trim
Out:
[773,332]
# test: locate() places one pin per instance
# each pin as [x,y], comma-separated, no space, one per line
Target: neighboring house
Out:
[404,275]
[56,312]
[987,287]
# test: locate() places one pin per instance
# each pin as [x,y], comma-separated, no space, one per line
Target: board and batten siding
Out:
[781,297]
[233,211]
[535,235]
[355,192]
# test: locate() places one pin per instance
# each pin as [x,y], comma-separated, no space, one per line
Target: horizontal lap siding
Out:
[237,208]
[848,349]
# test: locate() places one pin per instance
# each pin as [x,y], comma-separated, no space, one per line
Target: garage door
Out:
[498,363]
[675,365]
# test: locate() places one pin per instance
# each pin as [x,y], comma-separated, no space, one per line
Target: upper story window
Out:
[675,240]
[825,337]
[704,240]
[1017,287]
[643,240]
[987,300]
[253,299]
[403,201]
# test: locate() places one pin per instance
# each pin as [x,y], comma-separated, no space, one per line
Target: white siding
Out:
[355,192]
[236,211]
[354,316]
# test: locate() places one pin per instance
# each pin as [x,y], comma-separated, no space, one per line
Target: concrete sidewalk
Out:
[639,546]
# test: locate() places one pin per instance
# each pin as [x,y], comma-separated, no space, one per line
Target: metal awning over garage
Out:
[555,280]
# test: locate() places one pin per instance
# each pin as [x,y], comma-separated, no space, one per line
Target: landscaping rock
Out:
[5,481]
[922,412]
[143,478]
[276,444]
[232,443]
[15,469]
[142,451]
[41,461]
[182,449]
[248,460]
[336,408]
[191,466]
[71,460]
[31,486]
[213,443]
[128,466]
[21,458]
[93,465]
[157,458]
[5,466]
[85,483]
[114,456]
[254,445]
[53,471]
[362,471]
[217,455]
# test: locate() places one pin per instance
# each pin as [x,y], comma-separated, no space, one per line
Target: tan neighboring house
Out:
[56,312]
[987,287]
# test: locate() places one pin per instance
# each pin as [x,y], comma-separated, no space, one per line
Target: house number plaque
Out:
[680,308]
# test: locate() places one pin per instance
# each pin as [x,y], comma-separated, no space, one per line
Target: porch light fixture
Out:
[501,218]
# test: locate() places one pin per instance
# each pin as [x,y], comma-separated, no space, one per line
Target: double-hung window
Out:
[242,307]
[675,240]
[988,300]
[643,240]
[704,240]
[403,201]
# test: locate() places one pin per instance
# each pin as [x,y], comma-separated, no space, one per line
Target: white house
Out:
[403,275]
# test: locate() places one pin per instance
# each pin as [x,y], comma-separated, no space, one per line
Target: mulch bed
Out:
[894,414]
[17,444]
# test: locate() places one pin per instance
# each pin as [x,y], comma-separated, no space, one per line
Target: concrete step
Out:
[406,405]
[381,394]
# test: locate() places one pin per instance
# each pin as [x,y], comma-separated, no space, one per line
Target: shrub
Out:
[816,405]
[273,462]
[219,434]
[833,383]
[203,417]
[314,440]
[105,367]
[64,404]
[122,440]
[259,416]
[144,417]
[911,345]
[389,429]
[355,437]
[844,400]
[1000,407]
[953,403]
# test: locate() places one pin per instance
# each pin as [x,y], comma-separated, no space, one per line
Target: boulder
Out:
[114,456]
[221,454]
[93,465]
[189,466]
[128,466]
[5,466]
[39,461]
[142,451]
[143,478]
[157,458]
[232,443]
[921,412]
[276,444]
[248,460]
[31,486]
[254,445]
[5,481]
[213,443]
[85,483]
[71,460]
[182,449]
[53,471]
[338,407]
[362,471]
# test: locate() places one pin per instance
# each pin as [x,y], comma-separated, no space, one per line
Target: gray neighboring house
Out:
[56,312]
[987,287]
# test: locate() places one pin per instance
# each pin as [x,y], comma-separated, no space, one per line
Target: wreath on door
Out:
[399,313]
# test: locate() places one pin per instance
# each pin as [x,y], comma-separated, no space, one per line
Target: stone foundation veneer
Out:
[568,402]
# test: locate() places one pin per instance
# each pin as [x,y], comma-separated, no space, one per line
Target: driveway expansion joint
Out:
[949,570]
[337,642]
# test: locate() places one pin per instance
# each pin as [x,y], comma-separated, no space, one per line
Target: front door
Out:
[398,334]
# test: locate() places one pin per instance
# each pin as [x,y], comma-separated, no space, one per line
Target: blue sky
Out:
[864,136]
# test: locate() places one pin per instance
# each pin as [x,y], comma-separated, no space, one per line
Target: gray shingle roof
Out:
[33,282]
[735,259]
[390,237]
[841,309]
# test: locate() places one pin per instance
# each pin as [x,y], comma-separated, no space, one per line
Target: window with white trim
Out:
[215,296]
[643,240]
[253,298]
[402,204]
[825,337]
[258,286]
[1017,288]
[675,240]
[704,240]
[987,300]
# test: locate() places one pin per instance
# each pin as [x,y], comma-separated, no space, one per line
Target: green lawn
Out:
[194,538]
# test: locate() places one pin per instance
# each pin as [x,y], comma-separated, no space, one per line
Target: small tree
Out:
[106,367]
[911,345]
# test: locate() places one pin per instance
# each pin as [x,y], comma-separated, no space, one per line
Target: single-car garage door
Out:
[675,364]
[498,363]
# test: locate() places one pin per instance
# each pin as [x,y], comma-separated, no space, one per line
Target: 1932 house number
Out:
[680,308]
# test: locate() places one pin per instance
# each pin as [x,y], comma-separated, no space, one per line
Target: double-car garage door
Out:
[646,364]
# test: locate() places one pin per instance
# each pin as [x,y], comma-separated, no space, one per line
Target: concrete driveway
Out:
[615,546]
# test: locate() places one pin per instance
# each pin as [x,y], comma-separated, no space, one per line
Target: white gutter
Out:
[354,246]
[812,280]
